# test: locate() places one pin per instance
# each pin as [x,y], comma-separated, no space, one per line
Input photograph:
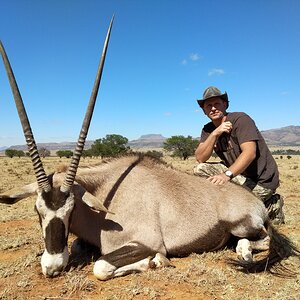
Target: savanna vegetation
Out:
[181,146]
[206,276]
[113,145]
[286,152]
[14,153]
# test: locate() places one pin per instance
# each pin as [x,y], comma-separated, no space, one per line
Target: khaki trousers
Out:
[211,169]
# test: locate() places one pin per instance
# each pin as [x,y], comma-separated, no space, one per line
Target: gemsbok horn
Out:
[41,176]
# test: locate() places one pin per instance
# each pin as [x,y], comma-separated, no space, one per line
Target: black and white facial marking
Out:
[54,209]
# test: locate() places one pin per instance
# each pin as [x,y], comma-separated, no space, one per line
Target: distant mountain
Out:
[53,146]
[145,141]
[148,141]
[285,136]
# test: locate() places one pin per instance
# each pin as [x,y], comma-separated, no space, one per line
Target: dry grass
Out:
[205,276]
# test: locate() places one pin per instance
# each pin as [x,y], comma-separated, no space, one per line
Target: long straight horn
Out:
[40,174]
[70,176]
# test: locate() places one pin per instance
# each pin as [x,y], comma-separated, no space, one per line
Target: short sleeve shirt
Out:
[263,169]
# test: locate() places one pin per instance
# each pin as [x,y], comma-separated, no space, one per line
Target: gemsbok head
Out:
[55,203]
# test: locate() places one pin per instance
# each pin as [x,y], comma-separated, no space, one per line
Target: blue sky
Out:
[162,55]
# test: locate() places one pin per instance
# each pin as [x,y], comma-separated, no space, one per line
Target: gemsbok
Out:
[139,211]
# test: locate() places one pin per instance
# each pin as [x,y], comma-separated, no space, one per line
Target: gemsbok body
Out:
[138,211]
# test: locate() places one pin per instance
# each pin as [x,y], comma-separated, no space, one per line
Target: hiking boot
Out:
[274,206]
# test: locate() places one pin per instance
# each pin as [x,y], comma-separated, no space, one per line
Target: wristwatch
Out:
[229,174]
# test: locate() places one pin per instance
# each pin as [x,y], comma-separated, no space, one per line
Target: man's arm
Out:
[247,155]
[205,149]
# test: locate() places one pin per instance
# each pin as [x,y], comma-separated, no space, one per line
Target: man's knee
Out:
[209,169]
[200,169]
[263,193]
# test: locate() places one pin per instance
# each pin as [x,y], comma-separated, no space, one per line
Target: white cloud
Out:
[184,62]
[168,114]
[216,72]
[194,56]
[284,93]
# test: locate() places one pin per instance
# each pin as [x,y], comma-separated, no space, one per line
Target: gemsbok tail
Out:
[281,247]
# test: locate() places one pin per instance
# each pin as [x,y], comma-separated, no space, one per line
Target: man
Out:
[246,159]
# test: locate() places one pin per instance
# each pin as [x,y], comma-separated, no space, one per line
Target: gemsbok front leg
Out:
[131,258]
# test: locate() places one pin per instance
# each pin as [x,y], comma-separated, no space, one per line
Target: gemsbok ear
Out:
[94,203]
[17,194]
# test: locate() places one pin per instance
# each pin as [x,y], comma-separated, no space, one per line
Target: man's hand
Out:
[218,179]
[224,127]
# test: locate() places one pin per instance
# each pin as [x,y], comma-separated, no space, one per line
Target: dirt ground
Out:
[201,277]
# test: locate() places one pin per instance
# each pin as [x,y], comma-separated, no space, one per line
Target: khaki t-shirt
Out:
[263,169]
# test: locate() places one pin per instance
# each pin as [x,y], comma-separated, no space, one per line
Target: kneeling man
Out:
[246,159]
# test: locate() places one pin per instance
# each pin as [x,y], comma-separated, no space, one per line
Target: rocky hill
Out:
[148,141]
[51,146]
[286,136]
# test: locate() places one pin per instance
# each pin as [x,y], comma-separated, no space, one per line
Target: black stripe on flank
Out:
[55,240]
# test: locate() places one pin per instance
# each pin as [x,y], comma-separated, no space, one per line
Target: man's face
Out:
[215,108]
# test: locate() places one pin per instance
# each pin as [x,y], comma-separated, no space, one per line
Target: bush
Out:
[43,152]
[13,152]
[155,154]
[64,153]
[286,152]
[181,146]
[110,146]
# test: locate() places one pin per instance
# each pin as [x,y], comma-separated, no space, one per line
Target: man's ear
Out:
[17,194]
